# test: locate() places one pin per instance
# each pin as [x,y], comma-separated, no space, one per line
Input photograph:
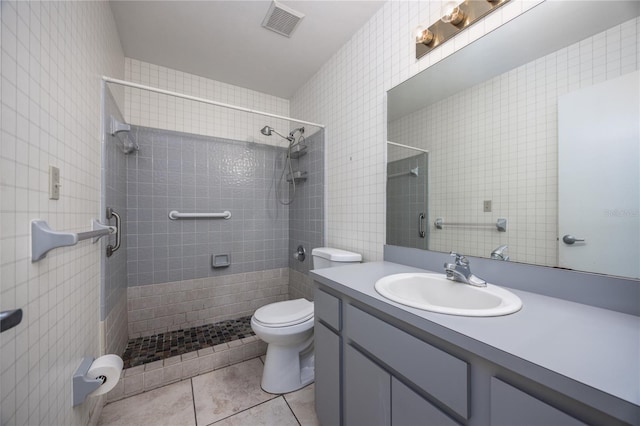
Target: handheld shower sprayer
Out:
[268,131]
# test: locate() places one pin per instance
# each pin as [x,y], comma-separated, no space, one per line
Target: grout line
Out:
[193,402]
[291,409]
[247,409]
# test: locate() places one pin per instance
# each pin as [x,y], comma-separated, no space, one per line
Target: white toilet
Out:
[287,328]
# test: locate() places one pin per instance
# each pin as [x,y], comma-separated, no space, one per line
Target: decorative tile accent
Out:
[197,340]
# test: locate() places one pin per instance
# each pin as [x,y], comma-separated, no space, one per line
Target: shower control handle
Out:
[570,239]
[300,254]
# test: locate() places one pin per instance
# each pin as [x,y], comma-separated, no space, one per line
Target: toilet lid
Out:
[285,313]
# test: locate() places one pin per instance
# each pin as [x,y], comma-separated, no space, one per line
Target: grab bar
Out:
[43,238]
[421,231]
[175,215]
[500,224]
[112,249]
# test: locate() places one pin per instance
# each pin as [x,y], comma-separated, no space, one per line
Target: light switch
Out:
[54,183]
[487,206]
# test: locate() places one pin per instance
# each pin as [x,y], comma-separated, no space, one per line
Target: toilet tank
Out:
[327,257]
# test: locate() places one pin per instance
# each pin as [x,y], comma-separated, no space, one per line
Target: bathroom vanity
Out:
[555,362]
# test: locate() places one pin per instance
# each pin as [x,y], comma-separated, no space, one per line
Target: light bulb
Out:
[423,35]
[451,13]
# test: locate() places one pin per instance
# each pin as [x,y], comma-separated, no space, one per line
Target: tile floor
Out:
[228,396]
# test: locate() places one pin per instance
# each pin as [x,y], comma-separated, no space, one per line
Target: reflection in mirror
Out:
[494,143]
[407,179]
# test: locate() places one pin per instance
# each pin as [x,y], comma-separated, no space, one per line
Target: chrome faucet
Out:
[460,271]
[499,253]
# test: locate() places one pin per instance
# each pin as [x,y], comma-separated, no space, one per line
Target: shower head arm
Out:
[289,138]
[267,130]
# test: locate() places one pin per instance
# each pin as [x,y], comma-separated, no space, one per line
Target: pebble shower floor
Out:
[143,350]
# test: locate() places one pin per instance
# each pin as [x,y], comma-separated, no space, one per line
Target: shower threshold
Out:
[154,361]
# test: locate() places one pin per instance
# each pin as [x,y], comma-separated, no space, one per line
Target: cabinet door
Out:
[367,391]
[410,409]
[327,375]
[512,407]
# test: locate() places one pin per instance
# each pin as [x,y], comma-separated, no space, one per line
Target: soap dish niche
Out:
[220,260]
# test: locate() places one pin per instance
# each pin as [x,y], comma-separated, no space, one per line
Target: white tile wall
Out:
[348,95]
[52,56]
[150,109]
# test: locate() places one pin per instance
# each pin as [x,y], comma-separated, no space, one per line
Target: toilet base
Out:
[287,369]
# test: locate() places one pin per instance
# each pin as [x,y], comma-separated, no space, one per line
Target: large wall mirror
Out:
[527,138]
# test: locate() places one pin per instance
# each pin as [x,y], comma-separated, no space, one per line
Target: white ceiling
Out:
[225,40]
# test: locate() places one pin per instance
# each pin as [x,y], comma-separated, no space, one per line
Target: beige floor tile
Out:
[302,402]
[227,391]
[274,412]
[169,405]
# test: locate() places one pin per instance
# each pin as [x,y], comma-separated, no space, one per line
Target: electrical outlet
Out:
[54,183]
[487,206]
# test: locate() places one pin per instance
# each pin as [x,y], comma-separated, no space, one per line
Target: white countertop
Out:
[593,346]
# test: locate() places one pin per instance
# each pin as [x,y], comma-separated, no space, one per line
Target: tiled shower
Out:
[166,281]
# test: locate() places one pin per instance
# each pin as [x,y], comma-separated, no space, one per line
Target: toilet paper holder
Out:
[83,385]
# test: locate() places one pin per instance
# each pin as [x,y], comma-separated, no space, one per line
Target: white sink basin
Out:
[435,293]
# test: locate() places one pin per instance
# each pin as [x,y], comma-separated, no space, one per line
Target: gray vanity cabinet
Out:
[410,409]
[512,407]
[327,343]
[373,369]
[367,391]
[327,371]
[372,396]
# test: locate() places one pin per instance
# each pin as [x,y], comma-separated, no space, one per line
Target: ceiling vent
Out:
[281,19]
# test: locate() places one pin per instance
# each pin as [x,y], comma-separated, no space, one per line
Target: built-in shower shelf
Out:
[297,177]
[298,150]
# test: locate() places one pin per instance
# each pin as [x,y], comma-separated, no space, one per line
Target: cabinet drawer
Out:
[327,308]
[438,373]
[512,407]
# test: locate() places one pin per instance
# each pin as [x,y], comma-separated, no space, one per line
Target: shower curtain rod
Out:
[408,147]
[203,100]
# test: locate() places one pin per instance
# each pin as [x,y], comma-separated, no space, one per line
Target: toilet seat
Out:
[284,314]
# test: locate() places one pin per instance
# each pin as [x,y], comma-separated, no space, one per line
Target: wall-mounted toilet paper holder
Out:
[82,385]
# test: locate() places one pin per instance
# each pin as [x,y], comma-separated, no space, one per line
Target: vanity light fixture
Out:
[455,18]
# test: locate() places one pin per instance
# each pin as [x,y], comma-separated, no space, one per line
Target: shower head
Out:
[267,131]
